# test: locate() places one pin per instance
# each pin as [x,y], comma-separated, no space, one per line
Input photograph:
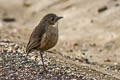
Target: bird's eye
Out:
[52,19]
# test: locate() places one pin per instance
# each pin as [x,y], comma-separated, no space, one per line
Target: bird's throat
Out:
[55,25]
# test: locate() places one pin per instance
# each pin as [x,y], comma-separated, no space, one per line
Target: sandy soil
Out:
[89,32]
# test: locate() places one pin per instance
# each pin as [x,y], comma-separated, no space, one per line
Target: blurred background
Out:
[90,28]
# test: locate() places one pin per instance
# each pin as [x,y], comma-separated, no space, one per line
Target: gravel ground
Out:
[14,65]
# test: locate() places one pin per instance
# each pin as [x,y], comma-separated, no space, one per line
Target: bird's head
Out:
[51,18]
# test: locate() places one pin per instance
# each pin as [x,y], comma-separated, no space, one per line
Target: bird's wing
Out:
[32,45]
[35,38]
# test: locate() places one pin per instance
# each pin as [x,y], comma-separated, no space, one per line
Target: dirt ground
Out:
[89,32]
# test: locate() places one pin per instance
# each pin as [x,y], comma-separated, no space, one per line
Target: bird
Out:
[44,36]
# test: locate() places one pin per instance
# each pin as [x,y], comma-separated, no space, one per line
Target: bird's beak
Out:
[58,18]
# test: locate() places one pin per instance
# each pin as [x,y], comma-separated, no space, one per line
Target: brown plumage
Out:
[45,35]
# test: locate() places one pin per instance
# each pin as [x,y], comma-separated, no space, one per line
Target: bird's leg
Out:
[41,54]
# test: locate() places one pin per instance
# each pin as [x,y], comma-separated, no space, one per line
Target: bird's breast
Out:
[51,38]
[52,35]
